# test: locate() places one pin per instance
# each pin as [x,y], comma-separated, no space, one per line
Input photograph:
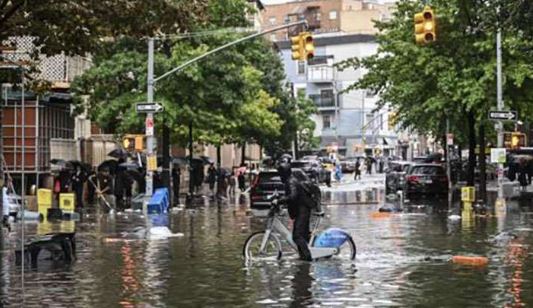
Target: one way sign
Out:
[503,115]
[148,107]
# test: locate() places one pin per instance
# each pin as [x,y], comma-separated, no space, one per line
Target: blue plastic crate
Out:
[159,202]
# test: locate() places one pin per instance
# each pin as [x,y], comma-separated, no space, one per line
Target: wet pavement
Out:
[402,260]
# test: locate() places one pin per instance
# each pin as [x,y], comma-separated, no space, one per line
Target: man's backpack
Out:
[312,194]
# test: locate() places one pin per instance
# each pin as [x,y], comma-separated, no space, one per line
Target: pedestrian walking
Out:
[78,180]
[5,205]
[176,173]
[232,182]
[212,178]
[369,165]
[357,170]
[241,172]
[338,172]
[222,183]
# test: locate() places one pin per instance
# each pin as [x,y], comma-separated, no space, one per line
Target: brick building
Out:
[326,16]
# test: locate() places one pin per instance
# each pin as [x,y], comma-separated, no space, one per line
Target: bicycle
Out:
[266,245]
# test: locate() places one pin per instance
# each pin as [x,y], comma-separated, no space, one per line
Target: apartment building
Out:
[326,16]
[346,121]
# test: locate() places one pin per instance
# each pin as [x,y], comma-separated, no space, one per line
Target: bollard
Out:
[468,196]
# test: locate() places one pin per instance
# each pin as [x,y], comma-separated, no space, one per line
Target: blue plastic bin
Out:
[159,202]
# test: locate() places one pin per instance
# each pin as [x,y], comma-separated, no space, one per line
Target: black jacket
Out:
[296,196]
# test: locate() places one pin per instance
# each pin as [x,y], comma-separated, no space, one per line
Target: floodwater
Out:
[402,260]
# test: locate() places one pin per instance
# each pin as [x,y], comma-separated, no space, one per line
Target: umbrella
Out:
[129,166]
[206,159]
[118,153]
[180,161]
[110,165]
[59,162]
[185,160]
[62,164]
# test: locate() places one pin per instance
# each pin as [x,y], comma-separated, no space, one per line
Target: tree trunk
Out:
[219,156]
[243,153]
[482,165]
[191,149]
[470,176]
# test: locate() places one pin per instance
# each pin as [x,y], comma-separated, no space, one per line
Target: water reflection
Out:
[301,285]
[402,260]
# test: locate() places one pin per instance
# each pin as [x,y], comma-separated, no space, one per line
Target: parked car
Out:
[314,170]
[14,204]
[395,175]
[348,163]
[425,179]
[266,183]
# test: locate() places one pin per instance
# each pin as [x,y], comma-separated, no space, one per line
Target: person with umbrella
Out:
[212,178]
[240,177]
[78,179]
[222,183]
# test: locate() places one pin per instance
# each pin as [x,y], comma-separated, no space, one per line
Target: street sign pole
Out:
[500,201]
[150,150]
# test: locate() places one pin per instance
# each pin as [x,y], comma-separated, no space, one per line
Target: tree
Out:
[77,27]
[446,79]
[228,97]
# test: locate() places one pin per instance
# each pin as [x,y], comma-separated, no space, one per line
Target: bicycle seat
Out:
[319,214]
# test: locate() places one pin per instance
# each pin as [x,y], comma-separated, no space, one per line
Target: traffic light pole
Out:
[500,200]
[150,139]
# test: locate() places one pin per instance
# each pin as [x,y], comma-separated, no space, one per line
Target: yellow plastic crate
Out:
[44,201]
[66,202]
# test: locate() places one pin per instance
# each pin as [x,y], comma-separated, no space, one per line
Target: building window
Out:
[318,16]
[326,122]
[332,15]
[301,67]
[272,21]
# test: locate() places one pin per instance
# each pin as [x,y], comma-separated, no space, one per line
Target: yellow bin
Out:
[66,202]
[44,201]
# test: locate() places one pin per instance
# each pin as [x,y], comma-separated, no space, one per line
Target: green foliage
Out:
[451,77]
[231,96]
[77,27]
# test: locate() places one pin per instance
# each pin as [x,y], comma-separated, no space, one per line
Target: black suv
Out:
[395,175]
[426,179]
[265,184]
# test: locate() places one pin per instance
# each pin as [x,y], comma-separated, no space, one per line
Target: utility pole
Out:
[500,201]
[149,129]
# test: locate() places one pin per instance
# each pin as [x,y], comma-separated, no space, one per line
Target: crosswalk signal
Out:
[425,26]
[297,47]
[133,143]
[309,45]
[518,140]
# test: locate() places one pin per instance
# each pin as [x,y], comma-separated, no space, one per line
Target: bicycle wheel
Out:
[347,250]
[252,247]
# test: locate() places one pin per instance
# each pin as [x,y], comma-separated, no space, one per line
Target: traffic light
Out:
[425,26]
[518,140]
[133,143]
[302,46]
[393,119]
[297,47]
[309,46]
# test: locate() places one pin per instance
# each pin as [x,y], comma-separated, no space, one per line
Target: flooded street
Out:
[402,260]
